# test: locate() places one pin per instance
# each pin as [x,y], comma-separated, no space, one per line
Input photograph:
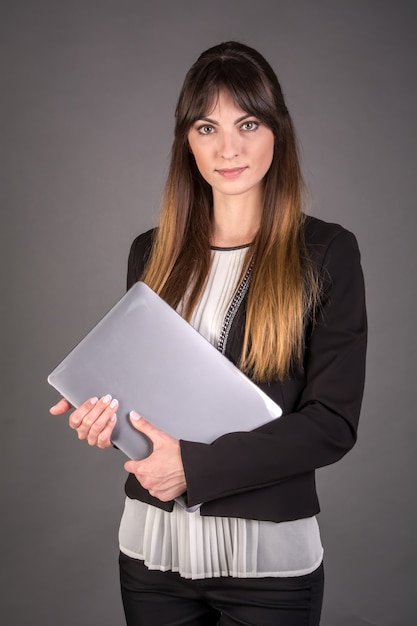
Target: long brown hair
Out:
[283,288]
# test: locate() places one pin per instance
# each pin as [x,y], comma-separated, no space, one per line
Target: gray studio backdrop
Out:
[88,95]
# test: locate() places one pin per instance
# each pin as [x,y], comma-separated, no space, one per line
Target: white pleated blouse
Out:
[197,546]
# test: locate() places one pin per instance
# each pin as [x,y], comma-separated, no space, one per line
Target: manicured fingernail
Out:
[135,416]
[93,400]
[106,399]
[113,403]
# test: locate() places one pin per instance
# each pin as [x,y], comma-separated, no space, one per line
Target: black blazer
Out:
[268,474]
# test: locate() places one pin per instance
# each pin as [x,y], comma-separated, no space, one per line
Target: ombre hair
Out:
[284,289]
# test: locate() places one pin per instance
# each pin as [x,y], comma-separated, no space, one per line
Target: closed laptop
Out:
[148,357]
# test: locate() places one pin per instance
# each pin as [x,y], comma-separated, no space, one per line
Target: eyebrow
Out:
[215,123]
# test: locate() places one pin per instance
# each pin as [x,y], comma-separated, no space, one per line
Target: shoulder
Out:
[325,239]
[139,255]
[319,232]
[142,244]
[141,247]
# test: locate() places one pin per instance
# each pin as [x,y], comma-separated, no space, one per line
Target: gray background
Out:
[88,94]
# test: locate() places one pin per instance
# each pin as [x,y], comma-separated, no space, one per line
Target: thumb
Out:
[62,406]
[143,426]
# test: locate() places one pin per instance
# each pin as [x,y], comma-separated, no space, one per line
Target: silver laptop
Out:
[148,357]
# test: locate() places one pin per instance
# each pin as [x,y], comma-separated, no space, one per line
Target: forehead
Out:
[222,103]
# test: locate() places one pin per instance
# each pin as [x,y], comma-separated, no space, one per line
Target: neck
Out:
[235,222]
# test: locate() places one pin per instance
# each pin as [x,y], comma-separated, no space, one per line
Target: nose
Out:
[229,145]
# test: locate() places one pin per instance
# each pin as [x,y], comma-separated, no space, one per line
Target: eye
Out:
[250,125]
[205,129]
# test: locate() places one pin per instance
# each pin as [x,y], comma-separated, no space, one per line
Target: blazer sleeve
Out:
[322,426]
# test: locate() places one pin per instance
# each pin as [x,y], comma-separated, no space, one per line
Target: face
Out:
[232,149]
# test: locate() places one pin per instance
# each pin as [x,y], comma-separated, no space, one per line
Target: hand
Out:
[162,472]
[94,420]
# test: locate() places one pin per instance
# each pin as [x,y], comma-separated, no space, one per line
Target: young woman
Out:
[281,294]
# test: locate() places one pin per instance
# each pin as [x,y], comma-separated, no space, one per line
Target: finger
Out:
[103,419]
[131,466]
[144,426]
[104,438]
[105,422]
[97,417]
[62,406]
[78,415]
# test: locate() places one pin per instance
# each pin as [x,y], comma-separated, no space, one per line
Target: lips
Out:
[233,172]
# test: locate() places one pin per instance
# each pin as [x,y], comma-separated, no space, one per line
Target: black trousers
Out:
[154,598]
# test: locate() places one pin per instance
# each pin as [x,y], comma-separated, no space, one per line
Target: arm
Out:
[322,426]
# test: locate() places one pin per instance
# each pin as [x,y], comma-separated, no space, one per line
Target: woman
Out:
[281,295]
